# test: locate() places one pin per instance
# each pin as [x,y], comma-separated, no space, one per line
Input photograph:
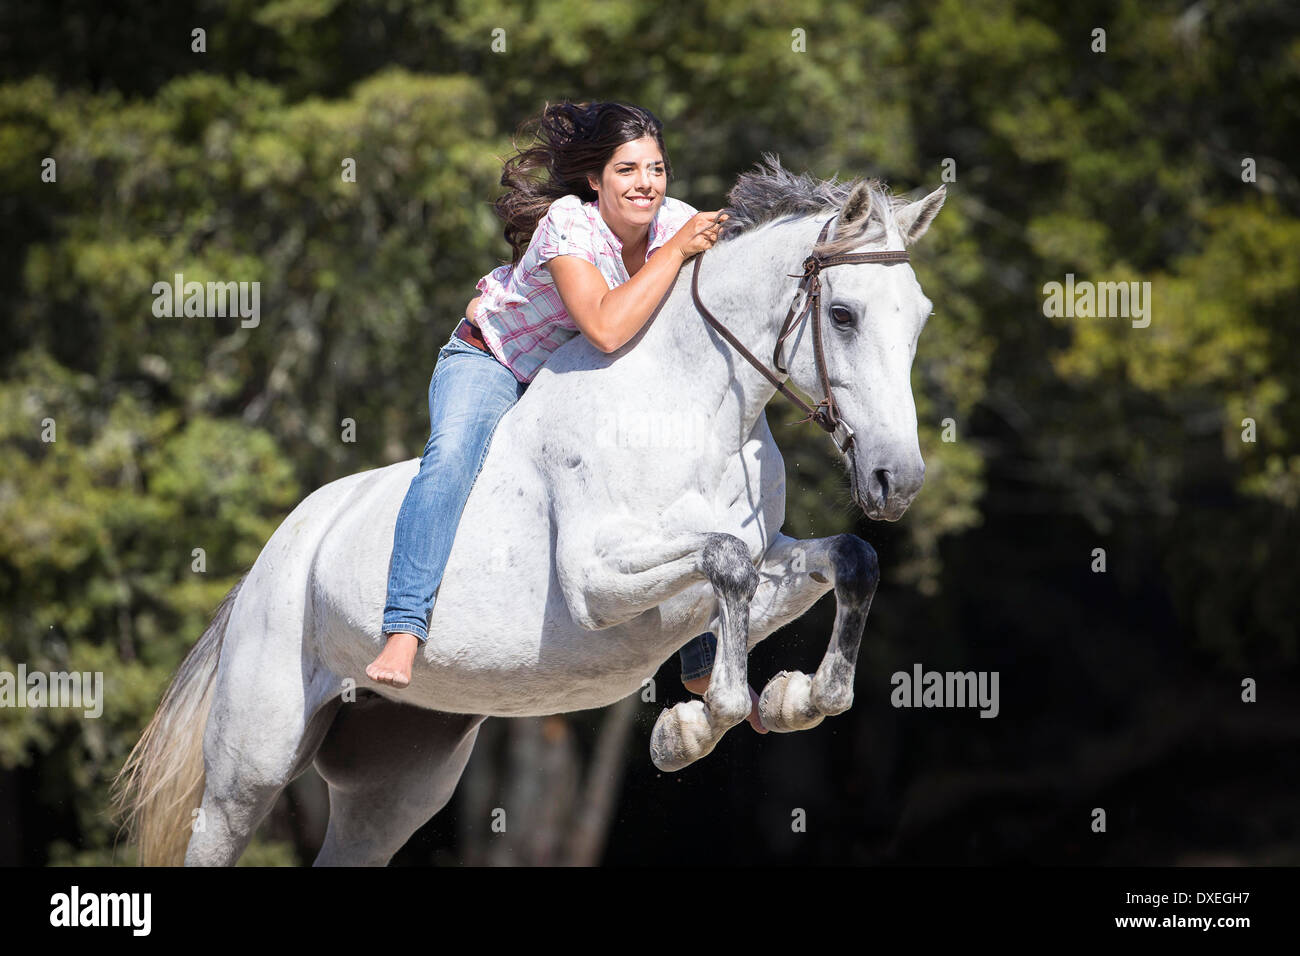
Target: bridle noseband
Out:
[825,414]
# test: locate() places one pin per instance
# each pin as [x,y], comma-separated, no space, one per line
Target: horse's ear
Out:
[915,218]
[857,205]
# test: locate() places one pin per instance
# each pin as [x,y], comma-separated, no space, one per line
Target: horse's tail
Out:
[162,780]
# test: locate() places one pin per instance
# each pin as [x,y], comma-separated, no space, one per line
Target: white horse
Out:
[584,559]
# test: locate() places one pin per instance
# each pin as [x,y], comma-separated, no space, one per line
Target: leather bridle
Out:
[825,413]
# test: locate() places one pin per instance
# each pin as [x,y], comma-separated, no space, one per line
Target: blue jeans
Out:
[697,656]
[468,394]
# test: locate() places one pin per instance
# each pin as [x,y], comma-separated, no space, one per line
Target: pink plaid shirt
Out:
[521,314]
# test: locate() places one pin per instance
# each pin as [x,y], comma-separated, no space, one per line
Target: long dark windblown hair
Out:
[573,139]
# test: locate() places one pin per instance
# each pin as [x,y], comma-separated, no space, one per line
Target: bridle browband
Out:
[825,414]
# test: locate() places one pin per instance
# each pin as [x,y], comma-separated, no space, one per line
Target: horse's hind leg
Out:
[390,767]
[261,734]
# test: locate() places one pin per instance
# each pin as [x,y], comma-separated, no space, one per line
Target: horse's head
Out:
[872,315]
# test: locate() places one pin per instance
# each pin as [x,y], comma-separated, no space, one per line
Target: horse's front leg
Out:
[618,582]
[793,575]
[688,731]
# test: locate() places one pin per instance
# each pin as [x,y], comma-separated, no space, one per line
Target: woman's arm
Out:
[611,317]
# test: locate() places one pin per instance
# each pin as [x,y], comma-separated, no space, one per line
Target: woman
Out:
[583,241]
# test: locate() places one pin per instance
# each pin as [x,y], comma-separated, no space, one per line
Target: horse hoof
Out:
[726,713]
[786,703]
[681,736]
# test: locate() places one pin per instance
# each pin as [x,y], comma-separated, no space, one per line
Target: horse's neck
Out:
[744,283]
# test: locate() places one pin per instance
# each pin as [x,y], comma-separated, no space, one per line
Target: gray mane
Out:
[775,193]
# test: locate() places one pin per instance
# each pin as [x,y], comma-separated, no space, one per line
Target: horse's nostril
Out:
[882,479]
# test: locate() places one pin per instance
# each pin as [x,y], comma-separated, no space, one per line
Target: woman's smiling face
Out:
[631,187]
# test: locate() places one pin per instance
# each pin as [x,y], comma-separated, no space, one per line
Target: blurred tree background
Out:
[1119,689]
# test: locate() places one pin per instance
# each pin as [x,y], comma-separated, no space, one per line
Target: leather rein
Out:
[825,413]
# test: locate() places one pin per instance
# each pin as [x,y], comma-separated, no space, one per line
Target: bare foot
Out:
[755,720]
[393,665]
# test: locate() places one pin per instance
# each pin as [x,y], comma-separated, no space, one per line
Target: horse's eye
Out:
[841,315]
